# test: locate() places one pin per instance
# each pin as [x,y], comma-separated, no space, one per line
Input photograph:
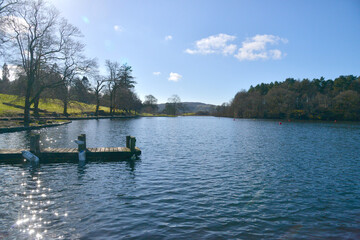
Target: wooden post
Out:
[128,141]
[35,144]
[82,147]
[132,144]
[84,137]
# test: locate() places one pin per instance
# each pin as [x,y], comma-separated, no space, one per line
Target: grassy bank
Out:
[75,109]
[50,105]
[156,115]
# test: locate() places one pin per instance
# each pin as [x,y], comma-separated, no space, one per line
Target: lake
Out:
[197,178]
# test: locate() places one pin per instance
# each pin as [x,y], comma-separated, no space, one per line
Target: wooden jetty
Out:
[55,155]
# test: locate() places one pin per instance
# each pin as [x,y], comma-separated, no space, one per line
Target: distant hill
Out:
[192,107]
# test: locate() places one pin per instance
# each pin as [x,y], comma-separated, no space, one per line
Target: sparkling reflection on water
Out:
[198,178]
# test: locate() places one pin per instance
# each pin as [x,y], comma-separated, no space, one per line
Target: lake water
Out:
[197,178]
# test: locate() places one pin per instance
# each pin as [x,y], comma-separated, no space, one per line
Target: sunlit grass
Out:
[156,115]
[6,110]
[147,115]
[189,114]
[50,105]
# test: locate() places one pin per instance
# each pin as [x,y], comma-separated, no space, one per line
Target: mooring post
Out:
[132,144]
[82,146]
[128,141]
[35,143]
[84,137]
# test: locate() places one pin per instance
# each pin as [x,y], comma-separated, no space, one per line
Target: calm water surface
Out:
[197,178]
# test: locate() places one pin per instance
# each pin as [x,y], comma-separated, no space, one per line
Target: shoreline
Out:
[70,119]
[19,129]
[67,120]
[64,118]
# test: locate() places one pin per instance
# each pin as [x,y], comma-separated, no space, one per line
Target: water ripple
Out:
[198,178]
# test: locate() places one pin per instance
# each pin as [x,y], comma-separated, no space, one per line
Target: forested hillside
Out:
[192,107]
[320,99]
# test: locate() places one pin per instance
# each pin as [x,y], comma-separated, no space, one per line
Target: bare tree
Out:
[38,36]
[32,32]
[7,6]
[150,103]
[113,82]
[174,105]
[73,63]
[6,10]
[97,89]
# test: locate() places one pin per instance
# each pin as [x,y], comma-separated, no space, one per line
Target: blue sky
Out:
[212,49]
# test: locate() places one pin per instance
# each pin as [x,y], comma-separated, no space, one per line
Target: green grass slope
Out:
[50,105]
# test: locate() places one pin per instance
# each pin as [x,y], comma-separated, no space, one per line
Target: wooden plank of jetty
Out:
[50,155]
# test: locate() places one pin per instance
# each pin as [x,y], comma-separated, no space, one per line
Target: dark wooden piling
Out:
[52,155]
[82,147]
[128,141]
[132,144]
[35,144]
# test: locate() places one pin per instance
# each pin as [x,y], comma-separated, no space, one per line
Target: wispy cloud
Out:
[118,28]
[214,44]
[255,48]
[175,77]
[156,73]
[168,38]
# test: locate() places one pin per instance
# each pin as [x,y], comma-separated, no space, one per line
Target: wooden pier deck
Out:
[52,155]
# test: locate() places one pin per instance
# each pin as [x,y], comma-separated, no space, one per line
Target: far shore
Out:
[15,124]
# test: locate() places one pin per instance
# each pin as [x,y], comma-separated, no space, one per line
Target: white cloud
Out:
[118,28]
[174,77]
[255,48]
[156,73]
[230,49]
[276,54]
[168,38]
[214,44]
[13,24]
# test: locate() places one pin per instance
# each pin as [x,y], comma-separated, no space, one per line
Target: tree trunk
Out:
[27,111]
[114,101]
[36,107]
[97,104]
[27,101]
[111,103]
[65,102]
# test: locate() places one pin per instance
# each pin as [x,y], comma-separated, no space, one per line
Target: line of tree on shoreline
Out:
[48,55]
[50,62]
[115,91]
[316,99]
